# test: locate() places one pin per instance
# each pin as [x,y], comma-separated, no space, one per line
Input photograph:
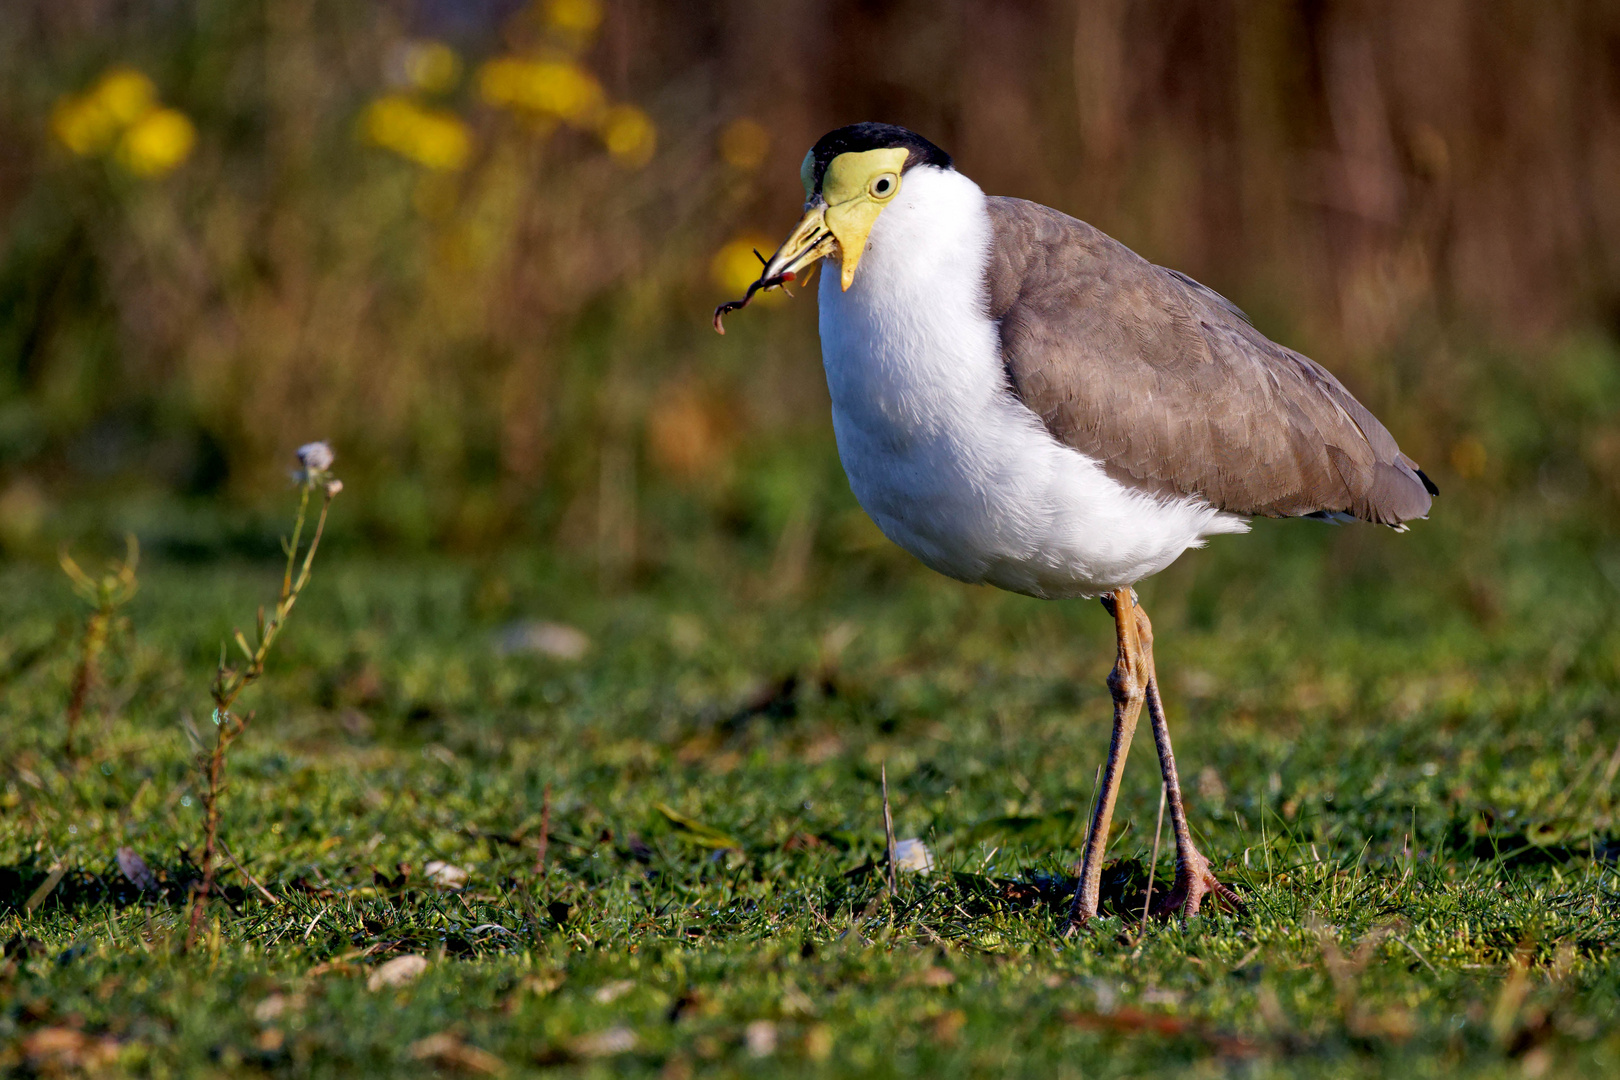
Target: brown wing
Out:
[1167,384]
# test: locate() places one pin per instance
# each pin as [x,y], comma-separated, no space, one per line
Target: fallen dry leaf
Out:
[615,1040]
[613,991]
[340,966]
[271,1008]
[543,982]
[133,867]
[447,1050]
[796,1002]
[1129,1019]
[45,889]
[948,1025]
[55,1049]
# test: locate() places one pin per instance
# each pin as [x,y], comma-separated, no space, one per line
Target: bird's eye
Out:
[883,186]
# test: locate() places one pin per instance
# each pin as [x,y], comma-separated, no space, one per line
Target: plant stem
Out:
[105,595]
[228,686]
[84,676]
[545,833]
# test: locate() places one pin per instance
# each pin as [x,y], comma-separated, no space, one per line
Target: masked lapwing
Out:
[1022,401]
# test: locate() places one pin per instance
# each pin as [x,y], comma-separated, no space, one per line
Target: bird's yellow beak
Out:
[854,191]
[839,217]
[810,240]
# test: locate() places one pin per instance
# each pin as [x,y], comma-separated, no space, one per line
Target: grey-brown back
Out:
[1168,385]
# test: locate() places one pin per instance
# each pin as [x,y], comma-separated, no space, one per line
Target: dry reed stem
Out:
[545,833]
[271,897]
[888,825]
[1153,860]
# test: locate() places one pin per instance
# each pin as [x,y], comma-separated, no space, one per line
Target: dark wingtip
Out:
[1428,485]
[1399,493]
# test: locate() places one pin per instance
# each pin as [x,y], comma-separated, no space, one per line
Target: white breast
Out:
[940,452]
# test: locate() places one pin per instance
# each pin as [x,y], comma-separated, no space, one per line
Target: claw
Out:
[1194,881]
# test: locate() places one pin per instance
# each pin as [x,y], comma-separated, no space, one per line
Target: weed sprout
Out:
[105,595]
[313,476]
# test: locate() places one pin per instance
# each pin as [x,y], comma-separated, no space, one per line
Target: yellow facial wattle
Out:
[857,187]
[854,191]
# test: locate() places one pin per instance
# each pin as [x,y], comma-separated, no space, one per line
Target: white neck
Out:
[911,334]
[947,461]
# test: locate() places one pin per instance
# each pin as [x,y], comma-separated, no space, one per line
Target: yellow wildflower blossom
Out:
[433,138]
[499,80]
[629,135]
[157,142]
[126,94]
[557,88]
[430,66]
[82,127]
[580,17]
[91,122]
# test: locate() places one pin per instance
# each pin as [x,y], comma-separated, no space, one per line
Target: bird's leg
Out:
[1193,877]
[1128,685]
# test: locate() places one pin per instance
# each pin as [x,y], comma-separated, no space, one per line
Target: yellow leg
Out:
[1128,685]
[1194,880]
[1132,683]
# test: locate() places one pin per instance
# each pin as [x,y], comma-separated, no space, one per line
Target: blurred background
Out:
[476,243]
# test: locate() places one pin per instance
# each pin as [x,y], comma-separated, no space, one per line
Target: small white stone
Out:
[400,971]
[911,856]
[545,638]
[446,875]
[615,1040]
[761,1038]
[270,1008]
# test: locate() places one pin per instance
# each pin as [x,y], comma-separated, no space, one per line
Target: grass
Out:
[1401,749]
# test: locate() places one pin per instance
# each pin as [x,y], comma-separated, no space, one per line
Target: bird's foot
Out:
[1194,881]
[1079,918]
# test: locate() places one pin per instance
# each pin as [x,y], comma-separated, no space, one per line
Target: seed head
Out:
[316,457]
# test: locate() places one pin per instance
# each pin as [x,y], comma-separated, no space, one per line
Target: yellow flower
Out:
[433,138]
[629,135]
[126,94]
[91,122]
[553,87]
[81,126]
[744,144]
[157,142]
[580,17]
[430,66]
[735,266]
[499,79]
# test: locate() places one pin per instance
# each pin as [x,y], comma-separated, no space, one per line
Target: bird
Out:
[1019,400]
